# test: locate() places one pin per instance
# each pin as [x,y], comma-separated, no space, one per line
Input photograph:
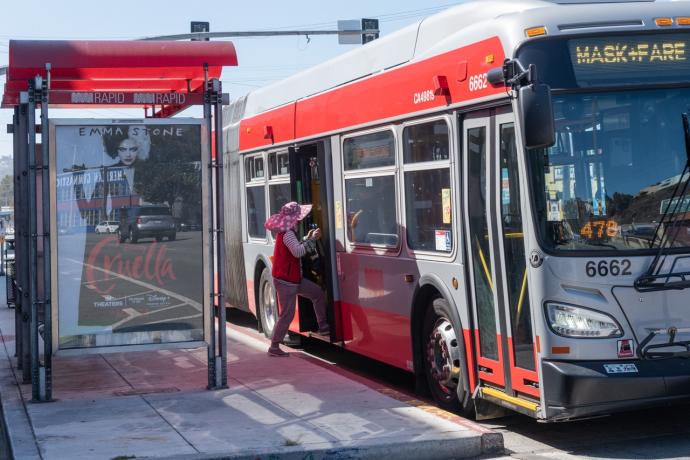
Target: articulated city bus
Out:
[502,189]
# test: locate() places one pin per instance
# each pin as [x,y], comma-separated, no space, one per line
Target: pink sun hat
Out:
[287,218]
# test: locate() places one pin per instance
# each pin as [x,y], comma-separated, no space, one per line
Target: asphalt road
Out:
[662,433]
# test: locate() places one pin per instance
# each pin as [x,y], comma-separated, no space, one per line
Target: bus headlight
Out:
[570,321]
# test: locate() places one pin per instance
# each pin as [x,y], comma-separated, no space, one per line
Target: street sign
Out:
[200,26]
[349,25]
[370,24]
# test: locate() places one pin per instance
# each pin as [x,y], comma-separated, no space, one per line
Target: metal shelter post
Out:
[39,293]
[218,196]
[32,205]
[21,237]
[16,175]
[47,369]
[212,364]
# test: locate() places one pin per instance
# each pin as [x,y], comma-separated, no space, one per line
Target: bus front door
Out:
[497,266]
[308,186]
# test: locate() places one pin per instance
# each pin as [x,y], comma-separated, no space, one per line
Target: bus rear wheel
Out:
[444,359]
[268,303]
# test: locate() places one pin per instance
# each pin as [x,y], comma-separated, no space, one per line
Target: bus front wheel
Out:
[268,303]
[444,359]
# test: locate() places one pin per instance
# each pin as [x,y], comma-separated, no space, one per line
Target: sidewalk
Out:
[153,404]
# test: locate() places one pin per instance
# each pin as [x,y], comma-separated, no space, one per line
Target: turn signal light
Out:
[535,31]
[684,21]
[664,21]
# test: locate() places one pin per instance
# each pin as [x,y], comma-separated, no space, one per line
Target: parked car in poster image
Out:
[146,221]
[107,226]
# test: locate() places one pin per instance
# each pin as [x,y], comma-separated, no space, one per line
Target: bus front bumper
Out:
[576,389]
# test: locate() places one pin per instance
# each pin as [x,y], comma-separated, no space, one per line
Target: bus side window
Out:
[256,196]
[371,199]
[428,197]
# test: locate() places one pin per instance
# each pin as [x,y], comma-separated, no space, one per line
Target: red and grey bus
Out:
[502,189]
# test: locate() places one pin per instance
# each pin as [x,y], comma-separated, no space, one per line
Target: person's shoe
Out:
[325,330]
[277,352]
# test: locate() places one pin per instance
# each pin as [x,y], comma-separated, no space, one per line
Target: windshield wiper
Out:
[652,280]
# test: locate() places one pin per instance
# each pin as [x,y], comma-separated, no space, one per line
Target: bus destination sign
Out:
[630,59]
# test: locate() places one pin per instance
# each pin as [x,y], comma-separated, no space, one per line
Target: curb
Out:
[415,450]
[17,433]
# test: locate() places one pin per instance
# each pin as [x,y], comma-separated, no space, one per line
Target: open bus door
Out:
[308,181]
[497,266]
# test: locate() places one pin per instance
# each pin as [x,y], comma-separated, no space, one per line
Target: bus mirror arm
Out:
[513,74]
[534,102]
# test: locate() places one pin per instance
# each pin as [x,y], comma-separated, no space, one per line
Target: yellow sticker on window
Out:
[338,215]
[445,203]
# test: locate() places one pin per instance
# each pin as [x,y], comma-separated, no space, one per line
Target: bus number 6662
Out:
[478,82]
[605,268]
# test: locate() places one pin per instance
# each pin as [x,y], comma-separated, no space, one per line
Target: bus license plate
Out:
[620,368]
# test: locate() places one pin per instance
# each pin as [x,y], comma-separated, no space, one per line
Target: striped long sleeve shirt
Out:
[296,248]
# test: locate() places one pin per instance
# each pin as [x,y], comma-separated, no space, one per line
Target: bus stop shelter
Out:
[161,77]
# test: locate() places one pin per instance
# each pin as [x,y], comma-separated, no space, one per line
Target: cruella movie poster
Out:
[128,203]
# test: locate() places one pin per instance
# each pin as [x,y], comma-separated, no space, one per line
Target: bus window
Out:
[425,142]
[278,195]
[369,151]
[372,218]
[371,210]
[279,181]
[256,201]
[279,164]
[427,191]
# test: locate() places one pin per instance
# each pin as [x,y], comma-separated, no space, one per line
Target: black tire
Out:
[133,237]
[120,237]
[172,237]
[268,303]
[444,358]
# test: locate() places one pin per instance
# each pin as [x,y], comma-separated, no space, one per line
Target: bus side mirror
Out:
[536,115]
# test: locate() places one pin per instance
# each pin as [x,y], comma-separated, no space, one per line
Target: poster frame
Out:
[206,290]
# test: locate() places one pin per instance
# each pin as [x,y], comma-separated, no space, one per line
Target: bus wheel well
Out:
[423,300]
[260,267]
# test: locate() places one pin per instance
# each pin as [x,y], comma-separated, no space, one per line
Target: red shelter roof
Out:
[95,66]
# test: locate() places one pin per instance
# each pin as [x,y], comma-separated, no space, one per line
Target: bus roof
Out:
[453,28]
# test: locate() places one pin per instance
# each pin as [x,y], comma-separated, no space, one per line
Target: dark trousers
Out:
[287,296]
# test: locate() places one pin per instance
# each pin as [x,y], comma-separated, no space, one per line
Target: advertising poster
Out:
[128,216]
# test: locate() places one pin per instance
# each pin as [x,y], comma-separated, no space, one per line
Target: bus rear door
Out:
[309,166]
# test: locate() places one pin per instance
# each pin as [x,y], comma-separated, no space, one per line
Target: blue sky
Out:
[261,60]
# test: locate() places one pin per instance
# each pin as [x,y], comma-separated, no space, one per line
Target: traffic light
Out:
[199,26]
[370,24]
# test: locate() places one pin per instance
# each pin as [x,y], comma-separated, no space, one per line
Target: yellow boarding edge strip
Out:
[511,399]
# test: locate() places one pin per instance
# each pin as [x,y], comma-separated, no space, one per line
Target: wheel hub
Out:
[443,356]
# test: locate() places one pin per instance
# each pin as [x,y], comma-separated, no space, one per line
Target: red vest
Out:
[285,266]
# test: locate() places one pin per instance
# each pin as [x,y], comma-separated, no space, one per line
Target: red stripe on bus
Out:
[378,334]
[496,375]
[404,90]
[518,375]
[251,301]
[469,354]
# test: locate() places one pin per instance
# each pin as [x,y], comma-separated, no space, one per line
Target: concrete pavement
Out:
[154,404]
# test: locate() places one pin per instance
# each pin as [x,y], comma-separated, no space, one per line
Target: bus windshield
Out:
[610,176]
